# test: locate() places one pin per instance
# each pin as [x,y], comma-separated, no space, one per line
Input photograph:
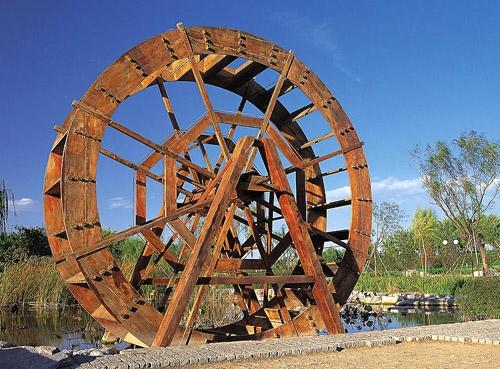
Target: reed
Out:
[33,282]
[443,284]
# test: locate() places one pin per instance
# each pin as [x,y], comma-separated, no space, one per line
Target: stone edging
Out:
[480,332]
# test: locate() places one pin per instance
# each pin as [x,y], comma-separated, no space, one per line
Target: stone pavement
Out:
[480,332]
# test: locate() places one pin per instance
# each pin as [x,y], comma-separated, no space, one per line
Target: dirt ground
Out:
[424,355]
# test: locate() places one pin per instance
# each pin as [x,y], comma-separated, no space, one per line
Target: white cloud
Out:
[403,186]
[392,186]
[23,204]
[119,203]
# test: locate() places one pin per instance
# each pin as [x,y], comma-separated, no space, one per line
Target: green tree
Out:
[6,198]
[462,180]
[423,226]
[400,251]
[387,217]
[22,244]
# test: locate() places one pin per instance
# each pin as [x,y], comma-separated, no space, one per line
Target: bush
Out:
[22,244]
[479,298]
[435,284]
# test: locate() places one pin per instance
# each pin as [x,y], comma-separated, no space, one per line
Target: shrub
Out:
[479,298]
[435,284]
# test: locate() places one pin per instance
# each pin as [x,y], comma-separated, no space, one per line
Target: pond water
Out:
[73,329]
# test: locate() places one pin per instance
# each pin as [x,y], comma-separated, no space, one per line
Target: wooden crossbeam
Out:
[187,281]
[204,94]
[318,139]
[300,113]
[128,132]
[302,241]
[239,280]
[331,205]
[331,172]
[119,236]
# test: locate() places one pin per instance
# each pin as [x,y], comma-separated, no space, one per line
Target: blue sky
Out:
[406,73]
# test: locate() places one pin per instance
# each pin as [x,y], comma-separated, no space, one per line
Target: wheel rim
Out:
[202,55]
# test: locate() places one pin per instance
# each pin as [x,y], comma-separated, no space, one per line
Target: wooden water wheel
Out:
[233,214]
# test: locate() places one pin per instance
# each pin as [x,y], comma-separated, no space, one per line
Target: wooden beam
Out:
[221,200]
[167,104]
[204,94]
[119,236]
[318,139]
[331,205]
[302,241]
[239,280]
[139,138]
[270,107]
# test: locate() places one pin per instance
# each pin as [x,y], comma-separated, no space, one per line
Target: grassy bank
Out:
[444,284]
[37,282]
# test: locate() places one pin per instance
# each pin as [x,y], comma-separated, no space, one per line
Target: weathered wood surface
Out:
[207,198]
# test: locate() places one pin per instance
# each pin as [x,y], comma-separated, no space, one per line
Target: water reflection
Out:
[73,329]
[70,328]
[365,318]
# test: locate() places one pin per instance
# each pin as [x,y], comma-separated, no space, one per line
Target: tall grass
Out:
[35,281]
[444,284]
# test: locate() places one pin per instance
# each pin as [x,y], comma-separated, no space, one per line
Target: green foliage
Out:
[23,244]
[333,255]
[461,179]
[6,198]
[436,284]
[400,251]
[489,228]
[479,298]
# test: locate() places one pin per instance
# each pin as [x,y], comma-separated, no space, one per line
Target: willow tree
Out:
[6,198]
[462,179]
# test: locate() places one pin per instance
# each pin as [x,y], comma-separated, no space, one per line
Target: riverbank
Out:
[478,333]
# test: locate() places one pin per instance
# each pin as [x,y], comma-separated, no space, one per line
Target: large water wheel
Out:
[265,177]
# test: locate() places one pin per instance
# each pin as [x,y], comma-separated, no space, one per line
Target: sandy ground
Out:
[425,355]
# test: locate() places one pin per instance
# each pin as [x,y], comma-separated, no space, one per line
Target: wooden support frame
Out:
[194,174]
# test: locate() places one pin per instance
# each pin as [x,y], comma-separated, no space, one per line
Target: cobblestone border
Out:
[480,332]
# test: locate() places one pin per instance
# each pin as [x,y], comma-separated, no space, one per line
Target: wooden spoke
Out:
[172,317]
[167,104]
[204,95]
[302,241]
[231,217]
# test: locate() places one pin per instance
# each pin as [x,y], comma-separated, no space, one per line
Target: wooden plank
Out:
[169,185]
[231,265]
[203,93]
[167,104]
[244,73]
[318,139]
[119,236]
[222,198]
[239,280]
[302,241]
[331,205]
